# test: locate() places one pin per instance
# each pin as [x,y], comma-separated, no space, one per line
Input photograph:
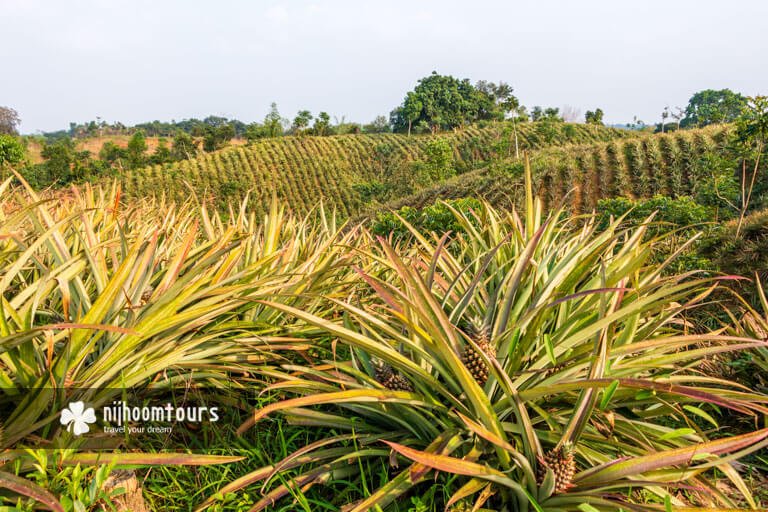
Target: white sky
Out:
[135,61]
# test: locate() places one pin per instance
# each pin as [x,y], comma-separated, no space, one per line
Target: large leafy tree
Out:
[545,114]
[501,95]
[273,122]
[595,117]
[137,146]
[713,107]
[751,140]
[184,146]
[322,123]
[301,121]
[440,102]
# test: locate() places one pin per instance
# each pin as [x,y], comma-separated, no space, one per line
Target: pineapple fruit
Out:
[561,460]
[385,376]
[474,361]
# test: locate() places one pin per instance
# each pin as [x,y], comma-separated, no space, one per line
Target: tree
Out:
[161,154]
[439,159]
[9,120]
[440,102]
[678,115]
[215,121]
[216,137]
[664,116]
[411,109]
[378,125]
[137,146]
[183,146]
[113,154]
[273,122]
[595,117]
[322,123]
[751,139]
[501,97]
[552,114]
[58,162]
[713,107]
[548,114]
[256,131]
[301,121]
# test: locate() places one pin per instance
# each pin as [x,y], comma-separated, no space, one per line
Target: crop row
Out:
[302,171]
[581,175]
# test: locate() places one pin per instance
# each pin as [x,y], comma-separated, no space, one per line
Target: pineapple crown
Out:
[478,330]
[565,449]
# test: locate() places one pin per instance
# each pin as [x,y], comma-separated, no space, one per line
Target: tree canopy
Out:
[441,102]
[712,107]
[595,117]
[546,114]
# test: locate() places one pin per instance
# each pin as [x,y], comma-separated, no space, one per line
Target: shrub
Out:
[438,218]
[371,190]
[672,213]
[742,255]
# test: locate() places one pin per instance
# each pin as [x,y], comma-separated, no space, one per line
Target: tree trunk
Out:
[409,127]
[131,499]
[517,150]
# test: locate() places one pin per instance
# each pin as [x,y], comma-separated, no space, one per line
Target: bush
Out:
[673,213]
[438,218]
[744,254]
[11,151]
[677,220]
[439,159]
[371,190]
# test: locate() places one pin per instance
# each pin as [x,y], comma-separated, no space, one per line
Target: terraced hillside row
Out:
[304,170]
[668,164]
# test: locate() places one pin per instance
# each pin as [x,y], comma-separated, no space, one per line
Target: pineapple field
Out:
[537,360]
[302,171]
[325,256]
[580,175]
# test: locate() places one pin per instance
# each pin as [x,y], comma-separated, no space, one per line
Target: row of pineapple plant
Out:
[303,170]
[580,175]
[97,295]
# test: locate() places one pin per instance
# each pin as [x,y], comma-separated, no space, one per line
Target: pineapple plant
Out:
[472,359]
[561,460]
[552,286]
[385,376]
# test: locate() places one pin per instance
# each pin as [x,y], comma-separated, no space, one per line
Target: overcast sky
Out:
[135,61]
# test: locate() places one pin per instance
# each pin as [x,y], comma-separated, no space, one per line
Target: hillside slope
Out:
[667,164]
[304,170]
[94,145]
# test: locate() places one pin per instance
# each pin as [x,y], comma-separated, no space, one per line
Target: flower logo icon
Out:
[76,417]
